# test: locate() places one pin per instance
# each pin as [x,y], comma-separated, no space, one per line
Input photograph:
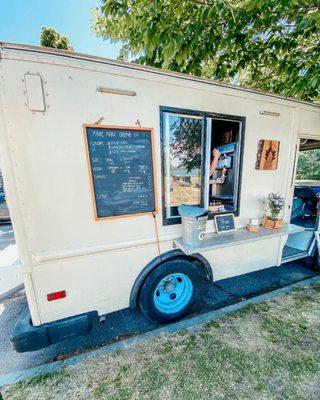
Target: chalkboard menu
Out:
[121,169]
[224,223]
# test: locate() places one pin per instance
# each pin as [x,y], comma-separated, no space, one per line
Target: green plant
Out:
[268,44]
[275,204]
[309,165]
[49,37]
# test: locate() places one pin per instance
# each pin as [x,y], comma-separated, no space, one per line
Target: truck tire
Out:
[170,291]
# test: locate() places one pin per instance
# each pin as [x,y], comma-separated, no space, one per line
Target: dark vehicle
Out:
[4,212]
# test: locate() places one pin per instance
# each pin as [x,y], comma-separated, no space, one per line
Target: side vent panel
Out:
[34,92]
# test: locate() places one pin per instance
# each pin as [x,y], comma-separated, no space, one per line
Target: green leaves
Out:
[250,5]
[268,44]
[49,37]
[308,165]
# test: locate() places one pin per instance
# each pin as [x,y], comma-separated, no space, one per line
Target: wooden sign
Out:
[121,166]
[224,223]
[268,154]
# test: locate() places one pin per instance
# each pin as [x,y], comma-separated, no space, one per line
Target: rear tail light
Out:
[56,295]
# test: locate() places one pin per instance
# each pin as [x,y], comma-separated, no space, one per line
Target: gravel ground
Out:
[264,352]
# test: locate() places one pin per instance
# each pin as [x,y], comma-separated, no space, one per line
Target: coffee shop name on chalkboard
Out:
[120,161]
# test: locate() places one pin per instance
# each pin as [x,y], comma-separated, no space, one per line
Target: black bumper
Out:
[26,337]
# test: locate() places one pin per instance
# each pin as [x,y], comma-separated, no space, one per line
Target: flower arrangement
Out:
[274,203]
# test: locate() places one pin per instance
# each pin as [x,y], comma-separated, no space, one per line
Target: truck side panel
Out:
[97,262]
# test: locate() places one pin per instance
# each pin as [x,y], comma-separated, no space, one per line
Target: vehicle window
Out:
[201,161]
[181,161]
[224,165]
[308,169]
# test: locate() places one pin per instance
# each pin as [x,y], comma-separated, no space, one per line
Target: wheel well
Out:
[198,259]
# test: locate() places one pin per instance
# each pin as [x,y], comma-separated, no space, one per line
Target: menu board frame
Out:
[154,168]
[229,216]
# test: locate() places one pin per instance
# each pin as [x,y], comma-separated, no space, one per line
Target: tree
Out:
[309,165]
[273,45]
[185,143]
[51,38]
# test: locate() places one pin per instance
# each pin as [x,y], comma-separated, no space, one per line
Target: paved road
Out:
[128,322]
[10,269]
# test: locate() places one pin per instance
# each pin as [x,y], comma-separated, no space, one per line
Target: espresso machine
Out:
[222,193]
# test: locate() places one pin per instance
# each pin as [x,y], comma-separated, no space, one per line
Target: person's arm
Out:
[214,162]
[222,177]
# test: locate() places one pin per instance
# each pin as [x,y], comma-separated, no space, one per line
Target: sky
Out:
[21,22]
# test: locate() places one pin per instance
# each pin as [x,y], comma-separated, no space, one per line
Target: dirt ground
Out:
[264,352]
[184,195]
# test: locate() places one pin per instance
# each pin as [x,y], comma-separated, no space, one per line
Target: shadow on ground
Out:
[130,322]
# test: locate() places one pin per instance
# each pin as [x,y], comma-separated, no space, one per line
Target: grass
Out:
[316,286]
[265,351]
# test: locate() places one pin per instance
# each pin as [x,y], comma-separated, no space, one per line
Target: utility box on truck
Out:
[97,156]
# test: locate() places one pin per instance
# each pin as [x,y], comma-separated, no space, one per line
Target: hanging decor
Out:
[268,154]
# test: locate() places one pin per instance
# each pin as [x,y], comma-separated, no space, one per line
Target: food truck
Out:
[97,156]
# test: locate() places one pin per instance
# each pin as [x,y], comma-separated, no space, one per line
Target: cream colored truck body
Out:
[43,156]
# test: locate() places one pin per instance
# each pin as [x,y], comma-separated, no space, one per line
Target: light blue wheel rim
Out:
[173,293]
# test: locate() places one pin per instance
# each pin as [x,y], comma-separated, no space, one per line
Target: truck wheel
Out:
[170,291]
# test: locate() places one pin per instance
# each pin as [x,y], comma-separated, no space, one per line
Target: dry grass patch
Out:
[263,352]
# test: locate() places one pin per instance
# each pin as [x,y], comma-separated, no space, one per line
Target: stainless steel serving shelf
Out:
[214,241]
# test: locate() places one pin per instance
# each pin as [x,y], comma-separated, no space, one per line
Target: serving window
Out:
[201,161]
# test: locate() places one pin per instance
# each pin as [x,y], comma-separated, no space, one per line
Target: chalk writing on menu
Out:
[224,222]
[122,170]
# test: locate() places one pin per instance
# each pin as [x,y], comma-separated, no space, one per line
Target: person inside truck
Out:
[215,158]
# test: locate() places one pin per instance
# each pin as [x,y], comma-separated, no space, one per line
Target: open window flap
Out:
[309,144]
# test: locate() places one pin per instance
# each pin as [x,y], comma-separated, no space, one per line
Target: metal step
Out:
[291,254]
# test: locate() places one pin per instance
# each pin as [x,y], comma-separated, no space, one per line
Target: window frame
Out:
[204,115]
